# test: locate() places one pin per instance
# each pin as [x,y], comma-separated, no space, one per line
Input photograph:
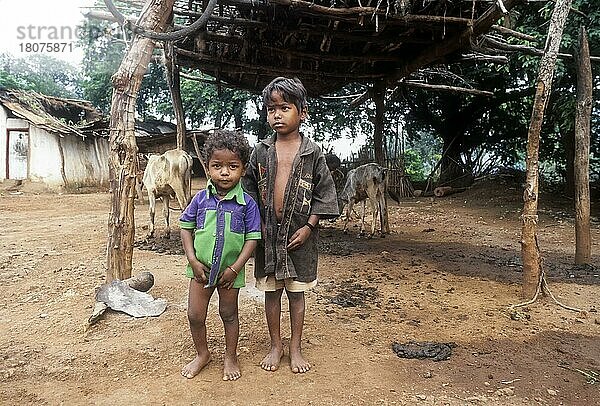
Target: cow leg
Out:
[181,195]
[362,220]
[349,207]
[375,210]
[383,215]
[166,212]
[138,190]
[152,210]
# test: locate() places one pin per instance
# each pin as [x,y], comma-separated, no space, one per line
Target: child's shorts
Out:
[270,284]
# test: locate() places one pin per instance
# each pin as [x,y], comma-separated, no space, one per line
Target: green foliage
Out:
[332,118]
[154,98]
[560,114]
[421,154]
[102,56]
[207,104]
[414,166]
[41,73]
[497,127]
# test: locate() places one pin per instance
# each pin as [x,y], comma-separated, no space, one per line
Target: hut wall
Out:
[44,158]
[86,160]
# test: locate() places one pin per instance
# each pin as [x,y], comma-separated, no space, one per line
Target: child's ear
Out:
[304,114]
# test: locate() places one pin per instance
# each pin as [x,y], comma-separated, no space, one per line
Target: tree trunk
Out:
[379,99]
[451,171]
[447,190]
[238,114]
[583,243]
[263,129]
[174,82]
[569,145]
[122,162]
[218,119]
[529,248]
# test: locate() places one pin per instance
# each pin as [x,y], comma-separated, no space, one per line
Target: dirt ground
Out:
[447,274]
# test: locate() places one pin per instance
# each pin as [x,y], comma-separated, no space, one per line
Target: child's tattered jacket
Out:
[310,190]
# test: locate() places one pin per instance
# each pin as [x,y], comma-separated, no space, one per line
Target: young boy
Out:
[288,177]
[219,231]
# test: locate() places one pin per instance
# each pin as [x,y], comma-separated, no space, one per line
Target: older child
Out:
[219,231]
[288,177]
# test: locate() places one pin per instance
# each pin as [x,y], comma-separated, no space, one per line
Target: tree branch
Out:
[445,88]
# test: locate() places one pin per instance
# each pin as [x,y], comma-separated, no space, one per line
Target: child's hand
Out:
[228,277]
[299,238]
[200,270]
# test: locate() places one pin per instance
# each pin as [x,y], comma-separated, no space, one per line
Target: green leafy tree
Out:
[472,126]
[41,73]
[207,104]
[557,145]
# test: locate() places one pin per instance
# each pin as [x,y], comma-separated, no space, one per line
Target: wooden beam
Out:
[198,78]
[483,58]
[266,69]
[445,88]
[513,33]
[452,44]
[343,13]
[527,49]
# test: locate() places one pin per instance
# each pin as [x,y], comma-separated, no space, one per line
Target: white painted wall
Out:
[44,158]
[86,159]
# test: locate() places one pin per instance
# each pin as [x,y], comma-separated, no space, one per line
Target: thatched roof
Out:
[54,114]
[330,43]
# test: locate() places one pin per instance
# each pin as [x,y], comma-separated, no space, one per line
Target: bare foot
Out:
[298,364]
[231,368]
[193,368]
[272,360]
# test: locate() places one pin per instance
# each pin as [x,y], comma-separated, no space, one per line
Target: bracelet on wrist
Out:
[310,226]
[233,270]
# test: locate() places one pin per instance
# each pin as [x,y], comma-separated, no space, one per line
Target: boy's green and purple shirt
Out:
[221,227]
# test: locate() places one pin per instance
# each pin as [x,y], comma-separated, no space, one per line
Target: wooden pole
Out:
[529,247]
[379,99]
[122,162]
[174,82]
[583,239]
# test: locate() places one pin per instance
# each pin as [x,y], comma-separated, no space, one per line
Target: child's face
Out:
[225,169]
[283,117]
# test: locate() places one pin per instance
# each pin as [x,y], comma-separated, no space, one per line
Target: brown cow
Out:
[166,176]
[366,182]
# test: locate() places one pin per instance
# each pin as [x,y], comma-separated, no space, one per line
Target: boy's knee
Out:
[228,314]
[195,318]
[295,296]
[273,294]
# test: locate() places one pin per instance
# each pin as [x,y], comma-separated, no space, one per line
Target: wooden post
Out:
[122,162]
[583,240]
[174,82]
[379,100]
[529,247]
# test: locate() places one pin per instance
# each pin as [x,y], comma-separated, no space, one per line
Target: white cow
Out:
[168,175]
[366,182]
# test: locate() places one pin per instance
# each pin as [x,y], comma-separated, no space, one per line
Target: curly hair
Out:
[234,141]
[290,89]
